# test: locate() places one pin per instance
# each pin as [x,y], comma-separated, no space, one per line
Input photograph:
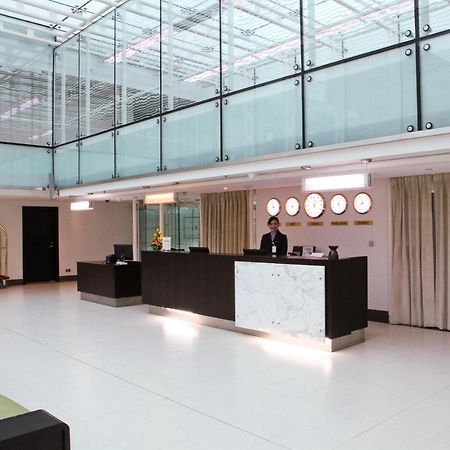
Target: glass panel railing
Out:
[137,148]
[365,98]
[97,158]
[66,165]
[24,167]
[262,121]
[435,69]
[191,137]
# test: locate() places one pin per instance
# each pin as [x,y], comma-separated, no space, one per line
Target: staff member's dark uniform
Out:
[278,239]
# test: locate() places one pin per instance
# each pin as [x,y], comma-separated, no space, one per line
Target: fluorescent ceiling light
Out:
[353,181]
[156,199]
[136,48]
[81,206]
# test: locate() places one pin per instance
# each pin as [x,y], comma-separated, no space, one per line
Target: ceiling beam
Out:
[27,36]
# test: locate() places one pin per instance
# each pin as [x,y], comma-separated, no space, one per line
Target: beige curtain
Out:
[413,295]
[442,226]
[225,221]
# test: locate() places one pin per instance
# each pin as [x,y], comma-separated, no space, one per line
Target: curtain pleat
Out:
[225,221]
[442,226]
[413,293]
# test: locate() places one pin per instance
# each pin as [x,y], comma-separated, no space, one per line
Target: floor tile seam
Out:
[161,396]
[371,428]
[364,432]
[393,390]
[191,409]
[107,439]
[409,407]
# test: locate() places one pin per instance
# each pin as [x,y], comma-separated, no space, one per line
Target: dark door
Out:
[40,243]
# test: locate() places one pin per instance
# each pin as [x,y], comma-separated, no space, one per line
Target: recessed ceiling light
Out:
[305,167]
[225,188]
[366,160]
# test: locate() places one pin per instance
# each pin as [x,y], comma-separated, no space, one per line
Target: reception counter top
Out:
[293,296]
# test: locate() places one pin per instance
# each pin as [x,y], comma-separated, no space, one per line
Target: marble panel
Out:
[285,299]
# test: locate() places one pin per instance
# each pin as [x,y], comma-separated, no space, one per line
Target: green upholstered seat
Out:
[8,408]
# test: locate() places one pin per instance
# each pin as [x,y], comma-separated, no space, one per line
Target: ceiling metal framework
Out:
[51,21]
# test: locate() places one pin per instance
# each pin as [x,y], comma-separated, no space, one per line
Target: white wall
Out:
[352,240]
[83,235]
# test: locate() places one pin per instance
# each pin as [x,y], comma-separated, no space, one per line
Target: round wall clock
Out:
[338,204]
[314,205]
[362,203]
[273,207]
[292,206]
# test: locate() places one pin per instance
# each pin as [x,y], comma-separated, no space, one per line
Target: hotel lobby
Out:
[159,130]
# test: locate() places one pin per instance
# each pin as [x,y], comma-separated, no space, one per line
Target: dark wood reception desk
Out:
[110,284]
[326,299]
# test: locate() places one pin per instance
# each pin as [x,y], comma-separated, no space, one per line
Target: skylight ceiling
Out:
[52,21]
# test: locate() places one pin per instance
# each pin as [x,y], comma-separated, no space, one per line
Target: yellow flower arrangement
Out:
[157,240]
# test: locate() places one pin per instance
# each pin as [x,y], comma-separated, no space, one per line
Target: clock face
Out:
[338,204]
[292,206]
[314,205]
[273,207]
[362,203]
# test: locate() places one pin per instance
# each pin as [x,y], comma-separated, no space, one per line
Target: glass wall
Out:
[25,89]
[260,42]
[137,61]
[335,30]
[170,84]
[190,52]
[66,100]
[97,46]
[181,222]
[199,82]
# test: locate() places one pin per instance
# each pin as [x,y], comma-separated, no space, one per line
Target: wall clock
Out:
[338,204]
[273,207]
[292,206]
[314,205]
[362,203]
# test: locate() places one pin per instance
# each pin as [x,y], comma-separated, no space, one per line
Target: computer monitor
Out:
[254,252]
[124,251]
[199,249]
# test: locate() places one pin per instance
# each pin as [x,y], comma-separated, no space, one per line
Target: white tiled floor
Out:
[123,379]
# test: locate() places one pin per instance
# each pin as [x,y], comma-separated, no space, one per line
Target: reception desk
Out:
[293,297]
[110,284]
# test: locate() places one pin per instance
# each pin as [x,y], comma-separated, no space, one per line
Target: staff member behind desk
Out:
[274,238]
